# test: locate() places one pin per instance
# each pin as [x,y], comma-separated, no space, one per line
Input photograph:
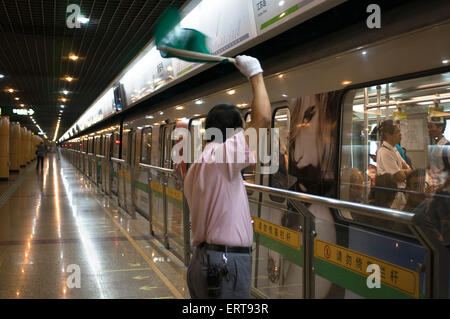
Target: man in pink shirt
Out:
[214,189]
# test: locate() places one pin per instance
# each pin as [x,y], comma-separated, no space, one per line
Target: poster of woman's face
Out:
[313,156]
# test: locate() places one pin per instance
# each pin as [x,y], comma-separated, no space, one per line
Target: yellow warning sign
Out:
[156,187]
[282,234]
[171,192]
[397,277]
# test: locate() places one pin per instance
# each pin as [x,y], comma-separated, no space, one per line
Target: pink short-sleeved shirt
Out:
[215,192]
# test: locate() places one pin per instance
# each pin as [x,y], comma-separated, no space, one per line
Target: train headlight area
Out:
[349,195]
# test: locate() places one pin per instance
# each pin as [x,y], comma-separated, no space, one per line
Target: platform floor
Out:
[61,238]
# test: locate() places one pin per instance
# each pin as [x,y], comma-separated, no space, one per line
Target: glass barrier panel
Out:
[157,204]
[353,262]
[175,224]
[278,248]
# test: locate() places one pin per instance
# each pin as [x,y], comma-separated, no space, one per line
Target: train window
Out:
[197,129]
[394,142]
[156,147]
[146,145]
[281,120]
[116,145]
[125,144]
[168,144]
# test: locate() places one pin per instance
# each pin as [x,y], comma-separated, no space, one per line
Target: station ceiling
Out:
[36,42]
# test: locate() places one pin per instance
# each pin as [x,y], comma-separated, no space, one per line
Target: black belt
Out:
[228,249]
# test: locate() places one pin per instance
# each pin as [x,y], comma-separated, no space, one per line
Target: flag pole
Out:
[196,55]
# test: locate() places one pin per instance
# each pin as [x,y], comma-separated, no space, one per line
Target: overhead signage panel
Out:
[270,14]
[227,24]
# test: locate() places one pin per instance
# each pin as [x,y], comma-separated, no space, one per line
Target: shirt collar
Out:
[388,146]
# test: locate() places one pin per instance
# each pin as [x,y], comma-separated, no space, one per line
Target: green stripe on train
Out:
[340,276]
[293,255]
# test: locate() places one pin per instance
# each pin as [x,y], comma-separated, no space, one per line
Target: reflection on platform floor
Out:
[61,238]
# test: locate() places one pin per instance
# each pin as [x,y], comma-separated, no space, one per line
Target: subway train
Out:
[326,104]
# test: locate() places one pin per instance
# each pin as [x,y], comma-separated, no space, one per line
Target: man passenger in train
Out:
[390,161]
[436,128]
[221,224]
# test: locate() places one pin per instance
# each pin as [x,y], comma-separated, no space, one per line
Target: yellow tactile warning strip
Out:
[164,279]
[395,276]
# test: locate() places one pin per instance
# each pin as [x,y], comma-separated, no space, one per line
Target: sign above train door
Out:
[270,14]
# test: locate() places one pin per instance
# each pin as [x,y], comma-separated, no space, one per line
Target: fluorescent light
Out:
[445,101]
[426,103]
[83,19]
[180,107]
[149,117]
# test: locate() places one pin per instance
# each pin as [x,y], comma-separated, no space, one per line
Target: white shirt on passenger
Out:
[390,161]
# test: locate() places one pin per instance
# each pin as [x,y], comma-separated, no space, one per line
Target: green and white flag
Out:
[186,44]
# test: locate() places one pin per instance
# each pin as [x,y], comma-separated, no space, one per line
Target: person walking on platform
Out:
[222,228]
[40,152]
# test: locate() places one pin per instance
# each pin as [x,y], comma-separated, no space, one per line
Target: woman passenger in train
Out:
[390,161]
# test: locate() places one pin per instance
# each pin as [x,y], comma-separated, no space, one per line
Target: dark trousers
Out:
[237,286]
[40,159]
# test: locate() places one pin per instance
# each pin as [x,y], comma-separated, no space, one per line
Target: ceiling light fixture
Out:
[445,61]
[16,98]
[73,57]
[83,19]
[68,78]
[62,106]
[11,90]
[198,102]
[180,107]
[231,92]
[1,76]
[346,82]
[65,92]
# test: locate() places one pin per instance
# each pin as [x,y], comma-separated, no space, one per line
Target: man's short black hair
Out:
[223,116]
